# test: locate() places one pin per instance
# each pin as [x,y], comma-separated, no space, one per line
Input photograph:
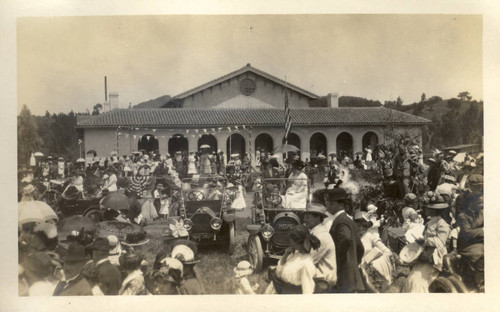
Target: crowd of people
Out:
[340,247]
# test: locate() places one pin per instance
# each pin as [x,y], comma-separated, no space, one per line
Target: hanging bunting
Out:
[236,127]
[196,130]
[213,129]
[244,127]
[148,137]
[135,136]
[187,131]
[136,128]
[154,130]
[220,129]
[205,130]
[229,128]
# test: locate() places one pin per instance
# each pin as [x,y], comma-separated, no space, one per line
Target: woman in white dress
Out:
[436,234]
[296,194]
[192,164]
[295,271]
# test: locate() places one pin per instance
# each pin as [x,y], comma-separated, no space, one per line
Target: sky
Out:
[62,61]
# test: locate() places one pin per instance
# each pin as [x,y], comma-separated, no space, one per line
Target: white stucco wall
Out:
[103,141]
[266,92]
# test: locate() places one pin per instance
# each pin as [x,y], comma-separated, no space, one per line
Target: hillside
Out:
[155,103]
[438,109]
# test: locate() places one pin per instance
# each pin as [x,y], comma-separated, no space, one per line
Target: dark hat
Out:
[39,263]
[316,209]
[274,162]
[438,206]
[101,243]
[76,253]
[298,164]
[336,193]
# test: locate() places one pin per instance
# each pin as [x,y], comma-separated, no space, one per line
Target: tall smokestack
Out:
[105,88]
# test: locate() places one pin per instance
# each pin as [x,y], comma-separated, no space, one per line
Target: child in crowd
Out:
[243,286]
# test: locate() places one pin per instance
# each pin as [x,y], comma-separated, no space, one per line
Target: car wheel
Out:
[231,239]
[255,252]
[442,285]
[459,285]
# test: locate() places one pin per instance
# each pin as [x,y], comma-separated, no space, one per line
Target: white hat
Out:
[114,245]
[243,268]
[410,252]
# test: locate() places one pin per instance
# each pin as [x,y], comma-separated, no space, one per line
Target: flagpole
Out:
[286,136]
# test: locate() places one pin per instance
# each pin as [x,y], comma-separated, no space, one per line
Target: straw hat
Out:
[316,209]
[184,254]
[114,245]
[410,252]
[243,268]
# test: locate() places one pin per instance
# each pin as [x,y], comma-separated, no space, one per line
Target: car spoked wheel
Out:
[231,239]
[255,252]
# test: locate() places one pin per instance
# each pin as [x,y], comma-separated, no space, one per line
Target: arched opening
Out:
[264,142]
[148,143]
[317,144]
[236,145]
[210,140]
[370,139]
[344,145]
[177,143]
[293,139]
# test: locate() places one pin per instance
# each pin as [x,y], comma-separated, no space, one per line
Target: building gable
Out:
[246,86]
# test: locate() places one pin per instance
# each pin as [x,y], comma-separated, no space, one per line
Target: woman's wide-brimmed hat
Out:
[298,164]
[316,209]
[185,251]
[438,206]
[410,252]
[243,268]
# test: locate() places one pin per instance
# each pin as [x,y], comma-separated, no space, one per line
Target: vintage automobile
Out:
[204,206]
[274,212]
[456,277]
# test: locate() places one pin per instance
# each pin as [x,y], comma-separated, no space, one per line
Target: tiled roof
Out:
[247,68]
[185,117]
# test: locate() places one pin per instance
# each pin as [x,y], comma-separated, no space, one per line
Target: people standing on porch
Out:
[205,165]
[213,162]
[222,163]
[191,164]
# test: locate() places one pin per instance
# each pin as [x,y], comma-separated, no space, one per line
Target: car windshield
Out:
[202,188]
[285,193]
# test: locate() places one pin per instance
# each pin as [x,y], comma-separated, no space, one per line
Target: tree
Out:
[28,140]
[464,95]
[422,97]
[97,109]
[454,104]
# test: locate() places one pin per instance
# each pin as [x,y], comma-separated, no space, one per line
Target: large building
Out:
[244,111]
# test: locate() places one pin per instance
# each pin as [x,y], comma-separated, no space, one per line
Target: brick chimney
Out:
[332,100]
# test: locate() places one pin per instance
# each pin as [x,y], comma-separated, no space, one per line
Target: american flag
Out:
[288,118]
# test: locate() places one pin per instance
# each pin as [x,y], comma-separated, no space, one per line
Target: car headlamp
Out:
[188,224]
[216,223]
[267,232]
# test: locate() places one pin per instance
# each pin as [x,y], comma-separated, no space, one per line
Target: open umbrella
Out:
[38,154]
[80,160]
[205,146]
[321,156]
[116,201]
[91,152]
[35,211]
[285,148]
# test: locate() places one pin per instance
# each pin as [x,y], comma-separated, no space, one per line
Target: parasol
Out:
[80,160]
[91,152]
[205,146]
[35,211]
[38,154]
[116,201]
[235,155]
[286,148]
[321,156]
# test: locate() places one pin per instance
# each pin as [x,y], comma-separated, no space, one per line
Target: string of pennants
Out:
[185,132]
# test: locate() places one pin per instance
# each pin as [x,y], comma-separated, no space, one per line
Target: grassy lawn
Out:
[216,266]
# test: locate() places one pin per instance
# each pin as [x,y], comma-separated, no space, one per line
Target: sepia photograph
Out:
[250,154]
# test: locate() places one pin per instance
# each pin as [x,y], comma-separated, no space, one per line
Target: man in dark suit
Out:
[110,280]
[75,283]
[348,247]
